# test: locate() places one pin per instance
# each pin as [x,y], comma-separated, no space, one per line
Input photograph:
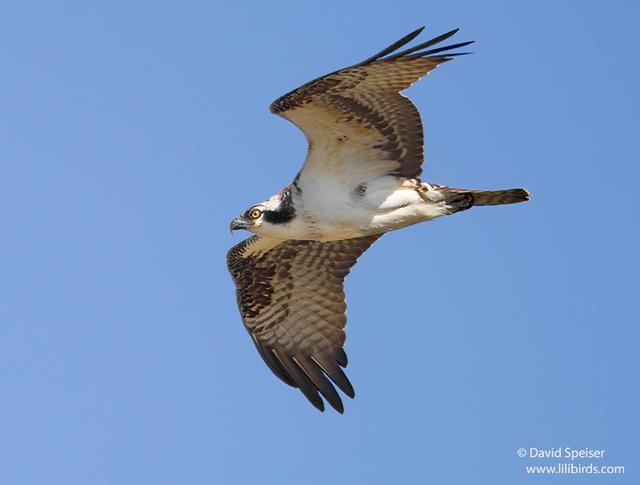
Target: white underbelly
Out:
[387,204]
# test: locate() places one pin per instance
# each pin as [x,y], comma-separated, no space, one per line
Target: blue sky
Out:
[132,133]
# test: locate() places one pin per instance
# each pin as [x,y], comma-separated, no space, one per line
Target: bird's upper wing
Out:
[291,299]
[357,123]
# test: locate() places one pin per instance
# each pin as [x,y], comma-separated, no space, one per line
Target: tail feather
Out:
[493,197]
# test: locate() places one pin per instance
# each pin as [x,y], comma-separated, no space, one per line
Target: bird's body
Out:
[382,204]
[360,180]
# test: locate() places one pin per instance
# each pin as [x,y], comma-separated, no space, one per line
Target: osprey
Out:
[360,180]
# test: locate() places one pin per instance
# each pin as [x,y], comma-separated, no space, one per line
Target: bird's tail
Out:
[491,197]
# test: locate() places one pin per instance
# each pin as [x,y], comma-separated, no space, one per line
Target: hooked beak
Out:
[238,223]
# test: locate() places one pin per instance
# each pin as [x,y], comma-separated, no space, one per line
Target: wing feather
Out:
[291,299]
[357,123]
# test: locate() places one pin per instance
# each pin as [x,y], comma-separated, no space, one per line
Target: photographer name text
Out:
[560,452]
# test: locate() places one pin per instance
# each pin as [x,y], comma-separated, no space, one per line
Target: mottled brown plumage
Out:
[365,101]
[291,299]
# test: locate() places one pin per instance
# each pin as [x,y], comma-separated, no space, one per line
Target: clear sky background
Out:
[131,133]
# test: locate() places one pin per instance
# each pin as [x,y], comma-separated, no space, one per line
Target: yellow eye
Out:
[255,214]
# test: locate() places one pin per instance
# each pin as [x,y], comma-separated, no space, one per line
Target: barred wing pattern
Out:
[356,121]
[291,299]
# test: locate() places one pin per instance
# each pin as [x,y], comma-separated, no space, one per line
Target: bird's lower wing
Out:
[292,302]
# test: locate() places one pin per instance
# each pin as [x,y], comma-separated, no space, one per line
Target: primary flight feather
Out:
[359,181]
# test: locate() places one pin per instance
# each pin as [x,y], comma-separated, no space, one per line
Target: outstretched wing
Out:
[357,123]
[291,299]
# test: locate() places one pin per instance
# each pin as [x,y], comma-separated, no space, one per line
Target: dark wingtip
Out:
[456,54]
[447,47]
[343,383]
[349,390]
[338,406]
[419,50]
[393,47]
[409,37]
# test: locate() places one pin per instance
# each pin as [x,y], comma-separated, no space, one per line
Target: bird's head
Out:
[267,218]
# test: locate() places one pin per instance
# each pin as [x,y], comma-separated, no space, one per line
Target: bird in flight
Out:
[361,179]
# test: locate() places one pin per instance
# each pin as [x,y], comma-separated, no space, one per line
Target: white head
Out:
[268,218]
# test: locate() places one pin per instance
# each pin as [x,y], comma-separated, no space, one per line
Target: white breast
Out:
[328,212]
